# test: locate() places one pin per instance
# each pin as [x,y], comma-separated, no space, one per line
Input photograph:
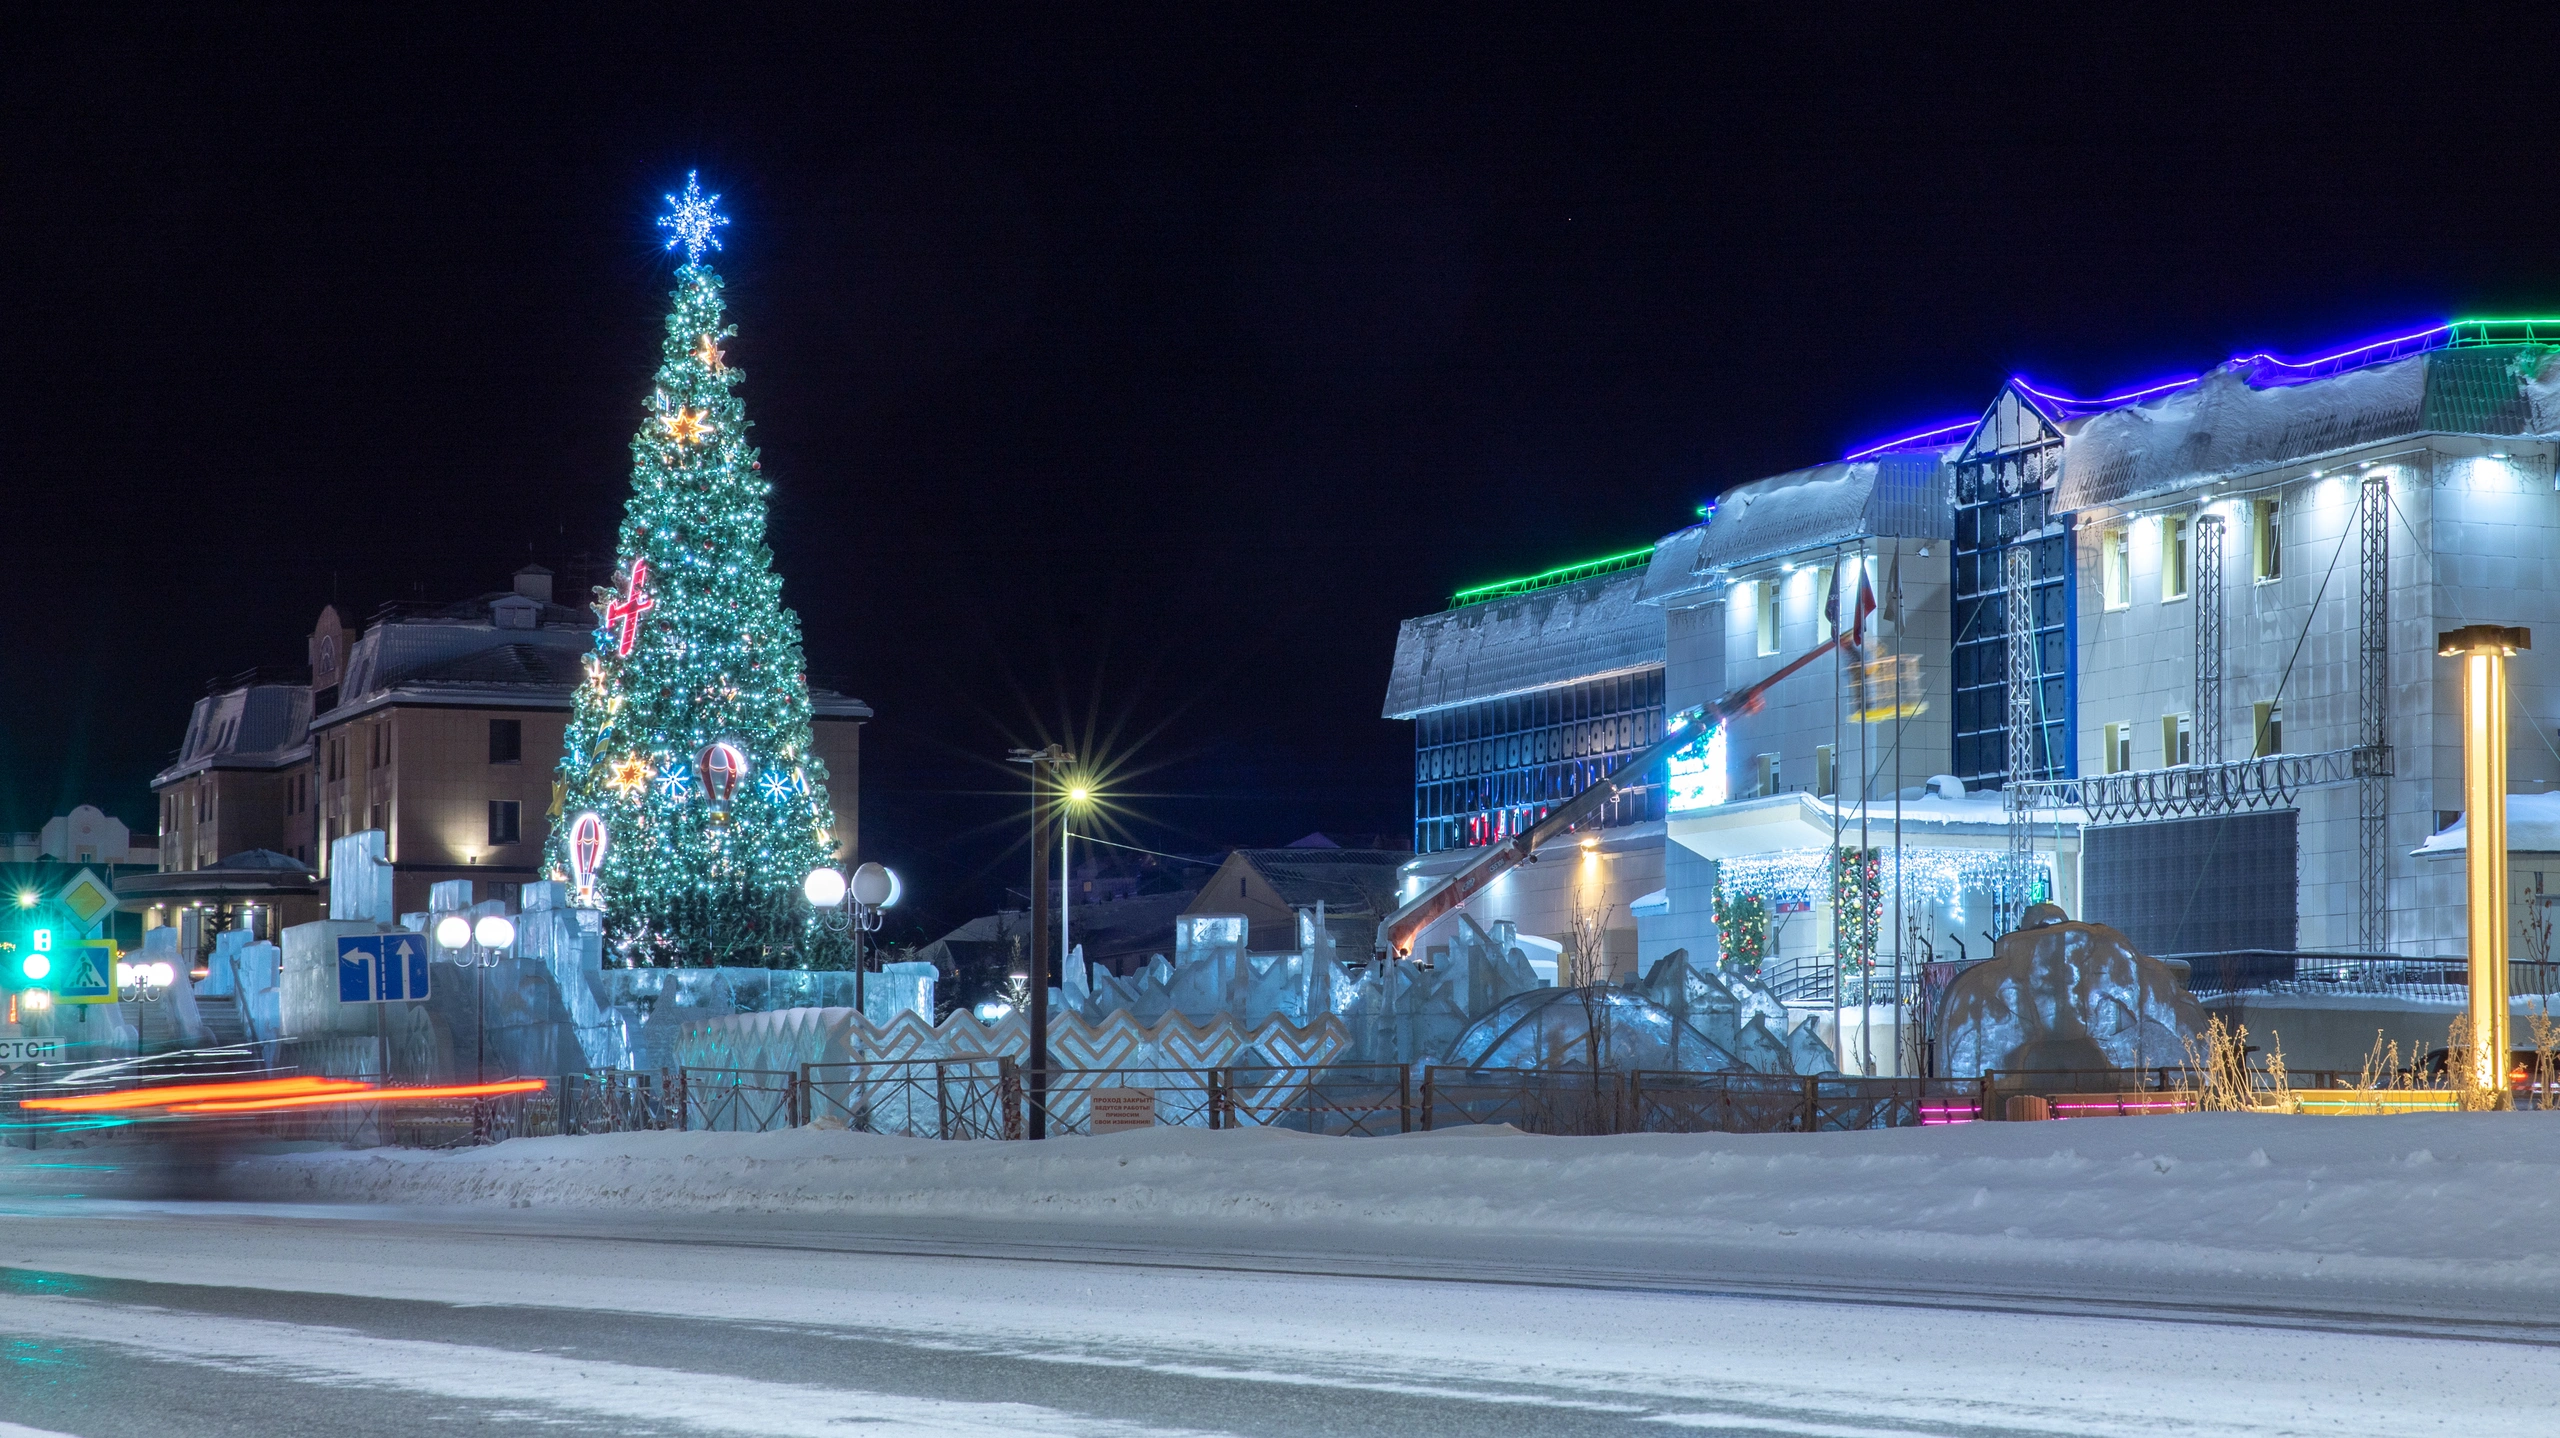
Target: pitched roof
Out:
[1507,646]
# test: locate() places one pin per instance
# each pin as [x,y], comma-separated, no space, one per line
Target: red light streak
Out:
[186,1093]
[371,1095]
[254,1095]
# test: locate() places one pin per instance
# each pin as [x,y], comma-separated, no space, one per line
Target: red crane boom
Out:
[1397,931]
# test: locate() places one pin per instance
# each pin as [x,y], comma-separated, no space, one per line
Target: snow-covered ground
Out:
[2190,1275]
[2449,1201]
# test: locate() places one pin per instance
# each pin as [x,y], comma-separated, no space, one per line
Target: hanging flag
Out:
[1865,605]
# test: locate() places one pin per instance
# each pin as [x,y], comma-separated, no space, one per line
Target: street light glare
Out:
[494,932]
[453,931]
[824,887]
[1079,793]
[26,898]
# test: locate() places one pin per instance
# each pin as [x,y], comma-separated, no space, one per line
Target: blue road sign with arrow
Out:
[381,968]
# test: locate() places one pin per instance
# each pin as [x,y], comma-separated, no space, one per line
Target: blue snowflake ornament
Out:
[694,220]
[675,781]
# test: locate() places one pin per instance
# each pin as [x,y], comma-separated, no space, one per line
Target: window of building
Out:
[2267,725]
[2177,740]
[505,819]
[2266,539]
[506,741]
[1764,596]
[1483,772]
[1826,782]
[2173,556]
[1826,610]
[2118,748]
[1764,774]
[2115,567]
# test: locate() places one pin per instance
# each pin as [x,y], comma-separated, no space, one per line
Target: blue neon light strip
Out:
[1914,439]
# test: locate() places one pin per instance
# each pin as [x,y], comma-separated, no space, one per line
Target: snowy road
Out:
[273,1319]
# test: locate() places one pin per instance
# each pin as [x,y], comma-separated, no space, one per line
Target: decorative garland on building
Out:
[1742,930]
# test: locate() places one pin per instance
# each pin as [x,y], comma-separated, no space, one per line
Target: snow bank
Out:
[2443,1197]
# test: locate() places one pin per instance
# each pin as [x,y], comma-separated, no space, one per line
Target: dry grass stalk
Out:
[2457,1072]
[2217,1072]
[2546,1055]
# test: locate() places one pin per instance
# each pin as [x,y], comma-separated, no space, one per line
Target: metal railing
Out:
[2283,971]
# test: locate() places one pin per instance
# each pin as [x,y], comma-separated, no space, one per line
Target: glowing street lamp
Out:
[2484,650]
[477,946]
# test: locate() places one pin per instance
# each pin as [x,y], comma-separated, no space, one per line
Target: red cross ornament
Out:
[622,615]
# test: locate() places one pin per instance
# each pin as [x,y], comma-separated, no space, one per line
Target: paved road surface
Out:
[217,1319]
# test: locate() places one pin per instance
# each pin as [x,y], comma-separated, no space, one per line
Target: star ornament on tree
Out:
[694,220]
[712,356]
[630,776]
[687,426]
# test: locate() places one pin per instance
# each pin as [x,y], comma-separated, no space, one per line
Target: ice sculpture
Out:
[1682,1017]
[2060,994]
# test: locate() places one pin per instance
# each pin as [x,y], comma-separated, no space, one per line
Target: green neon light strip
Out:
[1562,574]
[2504,332]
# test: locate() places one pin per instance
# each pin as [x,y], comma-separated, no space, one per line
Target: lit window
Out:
[1764,594]
[2173,556]
[1825,604]
[1764,774]
[2118,748]
[2115,567]
[2266,539]
[2177,740]
[2267,727]
[1826,782]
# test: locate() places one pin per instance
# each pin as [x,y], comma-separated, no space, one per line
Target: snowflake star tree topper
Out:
[694,220]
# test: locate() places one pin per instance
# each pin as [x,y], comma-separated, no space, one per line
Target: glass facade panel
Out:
[1484,772]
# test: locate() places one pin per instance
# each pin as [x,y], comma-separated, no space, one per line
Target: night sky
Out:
[1125,376]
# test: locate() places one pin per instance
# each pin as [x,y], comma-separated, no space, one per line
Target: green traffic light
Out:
[35,958]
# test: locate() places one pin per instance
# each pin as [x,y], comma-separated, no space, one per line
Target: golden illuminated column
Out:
[2484,650]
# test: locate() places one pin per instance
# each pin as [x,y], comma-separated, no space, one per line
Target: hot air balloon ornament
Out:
[722,765]
[586,857]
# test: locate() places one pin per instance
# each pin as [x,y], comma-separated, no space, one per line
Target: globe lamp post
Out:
[478,947]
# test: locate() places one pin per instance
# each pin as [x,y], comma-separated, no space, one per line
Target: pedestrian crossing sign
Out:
[89,976]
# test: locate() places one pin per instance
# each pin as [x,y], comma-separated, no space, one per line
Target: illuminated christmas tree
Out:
[691,807]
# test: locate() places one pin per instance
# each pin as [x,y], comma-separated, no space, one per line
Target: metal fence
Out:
[996,1099]
[2282,971]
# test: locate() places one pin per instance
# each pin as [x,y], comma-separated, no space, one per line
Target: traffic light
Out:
[36,962]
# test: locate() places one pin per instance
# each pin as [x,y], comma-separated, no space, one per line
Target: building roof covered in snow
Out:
[1577,630]
[2255,413]
[1357,887]
[1902,494]
[255,722]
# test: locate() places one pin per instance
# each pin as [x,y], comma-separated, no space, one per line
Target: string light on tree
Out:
[695,684]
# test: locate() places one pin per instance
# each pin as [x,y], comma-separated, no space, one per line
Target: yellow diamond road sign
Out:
[86,897]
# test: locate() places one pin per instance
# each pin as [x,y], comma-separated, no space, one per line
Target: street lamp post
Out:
[1044,788]
[2484,650]
[477,946]
[874,887]
[1076,797]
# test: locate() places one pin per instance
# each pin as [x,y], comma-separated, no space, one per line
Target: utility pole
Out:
[1048,768]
